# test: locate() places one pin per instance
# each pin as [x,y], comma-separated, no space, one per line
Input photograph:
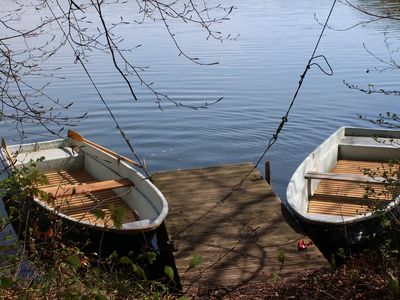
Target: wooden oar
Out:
[76,136]
[9,156]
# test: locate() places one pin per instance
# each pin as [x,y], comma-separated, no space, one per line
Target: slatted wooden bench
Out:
[68,190]
[342,191]
[78,194]
[339,177]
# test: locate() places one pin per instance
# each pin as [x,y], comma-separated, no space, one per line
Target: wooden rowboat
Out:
[87,182]
[329,186]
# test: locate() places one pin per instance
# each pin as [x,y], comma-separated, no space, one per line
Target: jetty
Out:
[227,235]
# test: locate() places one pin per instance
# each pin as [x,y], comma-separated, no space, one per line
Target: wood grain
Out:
[68,190]
[349,198]
[85,205]
[238,233]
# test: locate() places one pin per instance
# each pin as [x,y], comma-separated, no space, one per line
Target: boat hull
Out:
[96,236]
[45,225]
[348,144]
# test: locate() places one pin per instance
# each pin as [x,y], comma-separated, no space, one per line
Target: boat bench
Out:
[68,190]
[339,177]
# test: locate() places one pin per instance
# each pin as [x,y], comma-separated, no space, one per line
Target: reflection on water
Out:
[257,76]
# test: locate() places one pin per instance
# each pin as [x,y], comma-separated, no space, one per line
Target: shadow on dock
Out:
[241,236]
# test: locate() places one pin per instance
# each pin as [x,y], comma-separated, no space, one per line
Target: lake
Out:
[257,75]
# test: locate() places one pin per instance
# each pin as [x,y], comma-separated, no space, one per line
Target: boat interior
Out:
[355,181]
[348,198]
[87,185]
[79,195]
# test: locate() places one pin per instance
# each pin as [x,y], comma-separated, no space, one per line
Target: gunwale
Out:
[67,153]
[347,143]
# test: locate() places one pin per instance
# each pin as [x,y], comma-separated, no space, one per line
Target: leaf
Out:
[276,277]
[169,272]
[135,268]
[113,255]
[6,282]
[125,260]
[117,215]
[141,273]
[99,213]
[281,256]
[151,256]
[100,297]
[73,261]
[184,298]
[156,296]
[195,262]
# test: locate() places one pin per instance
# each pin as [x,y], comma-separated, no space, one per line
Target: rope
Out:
[285,118]
[274,138]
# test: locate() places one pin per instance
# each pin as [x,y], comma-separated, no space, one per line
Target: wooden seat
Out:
[344,177]
[79,195]
[60,191]
[342,191]
[352,178]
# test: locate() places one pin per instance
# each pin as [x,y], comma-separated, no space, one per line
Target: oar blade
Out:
[75,136]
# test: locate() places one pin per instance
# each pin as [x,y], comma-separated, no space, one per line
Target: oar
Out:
[76,136]
[9,156]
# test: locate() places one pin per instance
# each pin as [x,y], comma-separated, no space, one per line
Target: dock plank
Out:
[238,234]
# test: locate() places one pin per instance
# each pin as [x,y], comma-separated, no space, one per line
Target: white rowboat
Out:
[329,186]
[84,178]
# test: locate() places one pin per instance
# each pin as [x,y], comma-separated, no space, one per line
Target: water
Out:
[257,75]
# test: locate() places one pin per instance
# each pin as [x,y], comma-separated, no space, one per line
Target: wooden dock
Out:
[240,236]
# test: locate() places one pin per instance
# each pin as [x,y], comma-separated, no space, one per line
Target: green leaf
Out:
[141,273]
[135,268]
[184,298]
[195,262]
[151,256]
[100,297]
[125,260]
[281,256]
[117,215]
[73,261]
[99,213]
[113,255]
[156,296]
[169,272]
[6,282]
[276,277]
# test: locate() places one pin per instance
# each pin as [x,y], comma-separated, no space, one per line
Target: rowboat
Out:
[87,184]
[330,187]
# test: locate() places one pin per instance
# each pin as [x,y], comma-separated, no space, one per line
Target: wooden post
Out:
[268,172]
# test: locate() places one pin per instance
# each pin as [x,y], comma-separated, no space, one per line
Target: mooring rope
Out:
[285,118]
[272,140]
